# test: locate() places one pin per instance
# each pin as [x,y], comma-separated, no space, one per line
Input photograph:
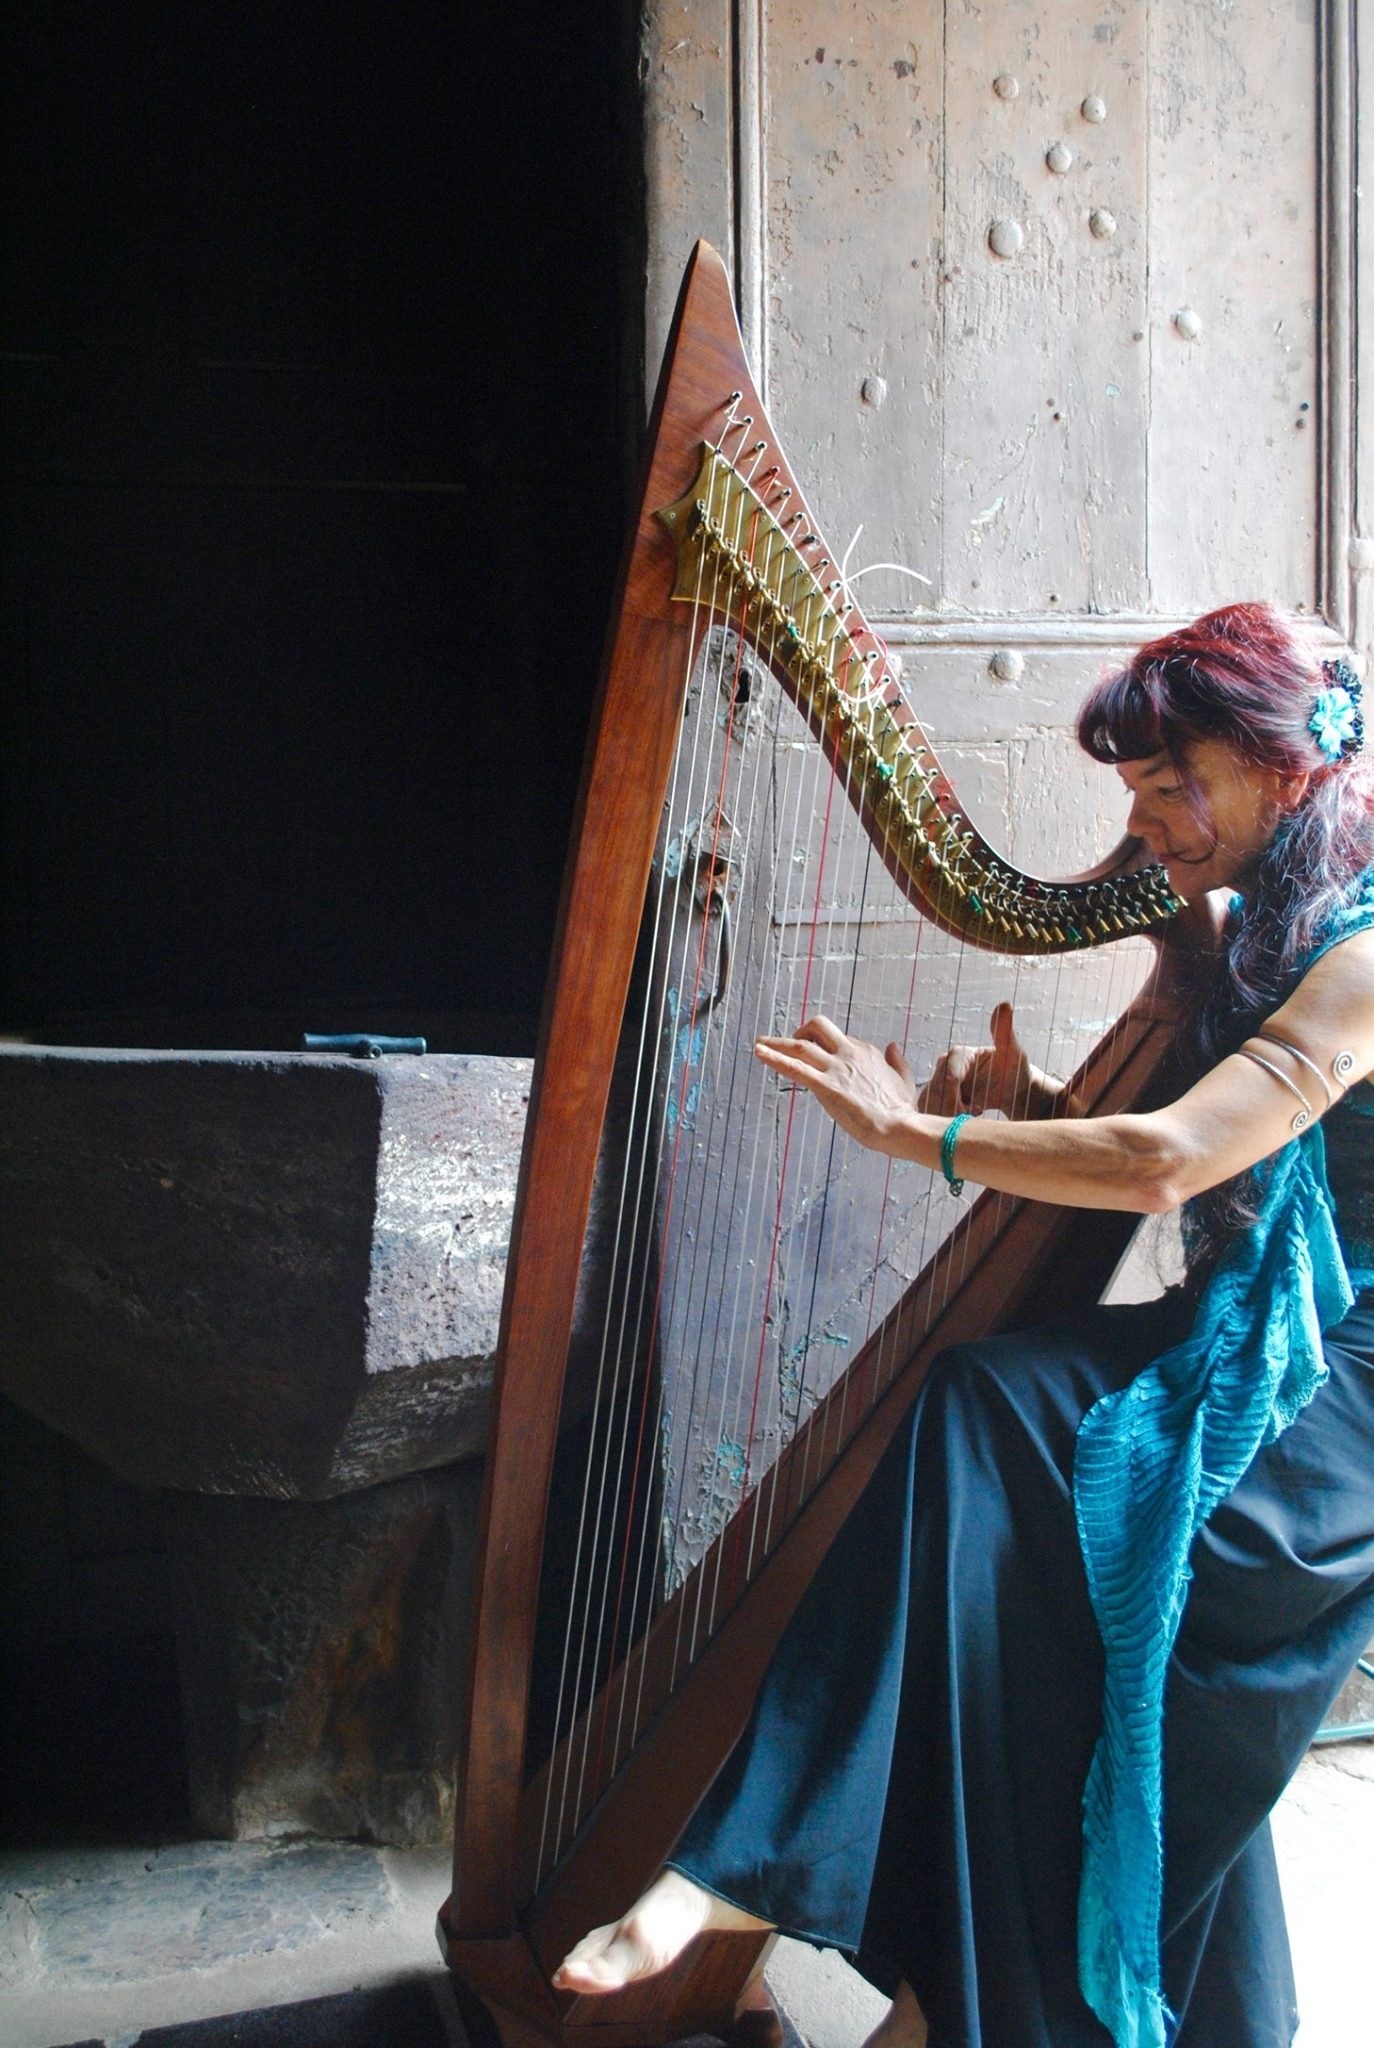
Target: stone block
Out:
[258,1274]
[320,1652]
[130,1915]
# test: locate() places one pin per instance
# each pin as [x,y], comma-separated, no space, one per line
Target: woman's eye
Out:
[1170,792]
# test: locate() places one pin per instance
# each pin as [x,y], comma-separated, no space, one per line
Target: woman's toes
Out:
[610,1957]
[587,1966]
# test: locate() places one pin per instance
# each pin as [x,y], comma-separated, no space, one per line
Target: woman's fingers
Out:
[940,1096]
[897,1060]
[773,1055]
[808,1066]
[1014,1072]
[951,1086]
[823,1032]
[860,1086]
[816,1043]
[966,1077]
[1005,1041]
[800,1051]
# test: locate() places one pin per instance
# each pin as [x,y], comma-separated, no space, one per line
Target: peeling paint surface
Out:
[1142,159]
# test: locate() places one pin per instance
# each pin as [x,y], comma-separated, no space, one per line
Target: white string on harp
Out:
[717,1342]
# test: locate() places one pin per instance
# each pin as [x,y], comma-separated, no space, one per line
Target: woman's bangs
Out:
[1122,721]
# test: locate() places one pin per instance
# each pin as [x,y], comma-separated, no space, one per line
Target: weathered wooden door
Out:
[1058,301]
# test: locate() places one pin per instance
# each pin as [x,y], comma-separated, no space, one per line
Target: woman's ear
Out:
[1293,788]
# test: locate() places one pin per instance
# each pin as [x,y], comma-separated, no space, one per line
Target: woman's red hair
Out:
[1246,676]
[1241,674]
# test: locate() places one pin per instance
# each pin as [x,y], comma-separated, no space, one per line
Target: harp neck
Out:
[737,558]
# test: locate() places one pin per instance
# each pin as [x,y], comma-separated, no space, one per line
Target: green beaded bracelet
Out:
[947,1144]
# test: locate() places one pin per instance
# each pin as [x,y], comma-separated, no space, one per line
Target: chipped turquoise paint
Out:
[689,1049]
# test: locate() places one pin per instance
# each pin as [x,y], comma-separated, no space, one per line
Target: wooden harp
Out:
[693,1539]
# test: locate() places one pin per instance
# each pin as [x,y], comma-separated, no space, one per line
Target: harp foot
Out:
[757,2025]
[757,2022]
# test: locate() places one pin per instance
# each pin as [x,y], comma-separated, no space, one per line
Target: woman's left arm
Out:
[1237,1114]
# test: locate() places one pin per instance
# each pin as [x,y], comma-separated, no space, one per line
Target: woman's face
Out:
[1210,831]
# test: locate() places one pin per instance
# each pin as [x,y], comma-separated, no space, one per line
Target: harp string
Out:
[823,1270]
[810,997]
[680,1128]
[831,977]
[885,1011]
[777,804]
[681,1001]
[823,1136]
[801,1486]
[800,773]
[676,1002]
[887,1361]
[720,1180]
[823,1241]
[611,1351]
[736,1118]
[680,1120]
[776,1234]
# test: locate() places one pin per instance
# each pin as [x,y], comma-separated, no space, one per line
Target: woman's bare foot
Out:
[649,1937]
[903,2025]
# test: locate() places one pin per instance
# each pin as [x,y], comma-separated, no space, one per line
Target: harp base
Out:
[716,1987]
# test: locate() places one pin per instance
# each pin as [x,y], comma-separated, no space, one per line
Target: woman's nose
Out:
[1139,821]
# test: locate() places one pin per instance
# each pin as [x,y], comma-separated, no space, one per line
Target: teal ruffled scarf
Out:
[1151,1463]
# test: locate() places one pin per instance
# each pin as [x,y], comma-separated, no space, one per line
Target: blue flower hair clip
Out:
[1337,723]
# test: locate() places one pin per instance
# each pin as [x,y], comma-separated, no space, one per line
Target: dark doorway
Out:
[317,416]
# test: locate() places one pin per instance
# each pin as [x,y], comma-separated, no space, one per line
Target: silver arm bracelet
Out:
[1304,1115]
[1273,1038]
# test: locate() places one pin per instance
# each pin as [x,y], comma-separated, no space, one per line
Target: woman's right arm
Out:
[1236,1115]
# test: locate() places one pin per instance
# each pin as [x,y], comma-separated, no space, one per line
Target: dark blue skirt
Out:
[909,1788]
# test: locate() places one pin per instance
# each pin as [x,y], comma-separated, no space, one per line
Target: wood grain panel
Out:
[853,144]
[1044,378]
[1233,432]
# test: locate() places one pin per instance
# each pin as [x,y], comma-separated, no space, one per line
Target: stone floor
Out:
[327,1945]
[111,1944]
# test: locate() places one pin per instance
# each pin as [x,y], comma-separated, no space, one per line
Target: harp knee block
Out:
[715,1987]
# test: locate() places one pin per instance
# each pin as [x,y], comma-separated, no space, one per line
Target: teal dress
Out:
[1020,1744]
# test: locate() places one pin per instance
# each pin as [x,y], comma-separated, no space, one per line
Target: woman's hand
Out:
[997,1076]
[869,1093]
[1141,1161]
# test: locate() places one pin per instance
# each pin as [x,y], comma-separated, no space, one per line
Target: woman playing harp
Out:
[1017,1749]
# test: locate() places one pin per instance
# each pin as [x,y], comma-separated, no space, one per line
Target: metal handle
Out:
[704,1005]
[363,1045]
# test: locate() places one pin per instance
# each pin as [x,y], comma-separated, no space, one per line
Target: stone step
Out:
[409,2015]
